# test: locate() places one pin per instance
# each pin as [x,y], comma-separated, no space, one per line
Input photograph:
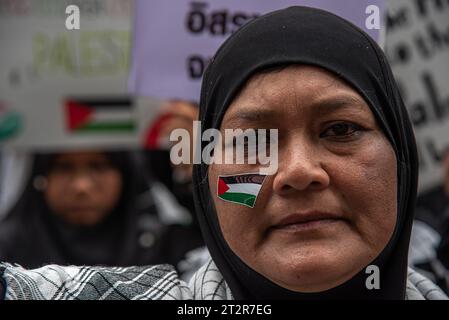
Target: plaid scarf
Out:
[159,282]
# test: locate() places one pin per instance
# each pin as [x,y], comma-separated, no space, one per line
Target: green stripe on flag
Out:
[107,126]
[240,198]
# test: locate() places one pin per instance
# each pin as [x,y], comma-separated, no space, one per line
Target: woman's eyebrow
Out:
[337,103]
[322,106]
[252,115]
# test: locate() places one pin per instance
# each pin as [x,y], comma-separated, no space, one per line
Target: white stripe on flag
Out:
[111,115]
[251,188]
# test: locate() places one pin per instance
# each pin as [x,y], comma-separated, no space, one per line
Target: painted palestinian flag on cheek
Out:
[241,189]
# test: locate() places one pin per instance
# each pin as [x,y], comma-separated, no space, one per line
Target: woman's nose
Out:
[300,168]
[82,182]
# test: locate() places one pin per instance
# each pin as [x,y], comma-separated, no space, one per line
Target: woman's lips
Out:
[81,209]
[312,220]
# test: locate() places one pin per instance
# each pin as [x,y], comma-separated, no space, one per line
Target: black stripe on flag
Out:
[107,102]
[244,178]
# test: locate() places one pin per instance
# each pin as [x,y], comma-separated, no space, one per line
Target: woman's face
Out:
[83,187]
[336,174]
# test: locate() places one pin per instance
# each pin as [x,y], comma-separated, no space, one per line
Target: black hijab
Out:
[302,35]
[32,235]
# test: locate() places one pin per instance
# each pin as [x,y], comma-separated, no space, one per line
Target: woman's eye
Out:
[100,166]
[341,130]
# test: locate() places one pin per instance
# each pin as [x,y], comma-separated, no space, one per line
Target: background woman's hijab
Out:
[301,35]
[32,235]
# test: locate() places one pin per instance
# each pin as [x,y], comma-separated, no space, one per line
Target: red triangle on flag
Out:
[222,187]
[77,114]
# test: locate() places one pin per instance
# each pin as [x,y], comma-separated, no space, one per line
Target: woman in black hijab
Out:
[262,66]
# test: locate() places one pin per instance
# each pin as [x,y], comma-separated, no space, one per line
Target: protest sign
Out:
[46,67]
[417,46]
[174,40]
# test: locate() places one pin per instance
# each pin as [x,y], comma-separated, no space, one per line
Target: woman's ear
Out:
[40,183]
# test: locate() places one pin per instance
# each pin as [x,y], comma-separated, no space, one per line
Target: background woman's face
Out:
[335,167]
[83,187]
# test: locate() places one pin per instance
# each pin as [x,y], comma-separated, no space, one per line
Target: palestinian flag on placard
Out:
[103,115]
[242,189]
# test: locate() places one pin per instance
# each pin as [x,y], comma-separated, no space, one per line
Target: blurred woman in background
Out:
[88,207]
